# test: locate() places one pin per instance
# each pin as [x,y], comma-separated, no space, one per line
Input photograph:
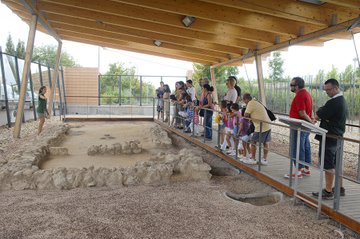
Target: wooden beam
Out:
[143,39]
[25,75]
[170,13]
[213,80]
[200,43]
[123,46]
[345,3]
[309,37]
[54,79]
[28,4]
[102,18]
[225,14]
[292,10]
[146,44]
[260,79]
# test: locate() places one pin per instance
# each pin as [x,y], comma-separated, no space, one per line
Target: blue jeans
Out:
[208,123]
[305,149]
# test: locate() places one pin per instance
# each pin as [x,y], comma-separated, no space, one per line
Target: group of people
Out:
[244,126]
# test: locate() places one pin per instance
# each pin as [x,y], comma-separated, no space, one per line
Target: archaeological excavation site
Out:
[96,155]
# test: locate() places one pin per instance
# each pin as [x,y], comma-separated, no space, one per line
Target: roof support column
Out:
[261,84]
[213,80]
[25,75]
[54,77]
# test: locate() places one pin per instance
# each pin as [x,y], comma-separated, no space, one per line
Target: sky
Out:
[298,60]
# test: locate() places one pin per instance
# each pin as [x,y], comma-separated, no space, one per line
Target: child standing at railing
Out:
[244,136]
[223,123]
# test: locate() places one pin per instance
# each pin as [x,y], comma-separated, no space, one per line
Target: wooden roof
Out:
[223,30]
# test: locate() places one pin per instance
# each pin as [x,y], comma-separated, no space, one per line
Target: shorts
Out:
[235,131]
[265,136]
[245,138]
[228,130]
[330,153]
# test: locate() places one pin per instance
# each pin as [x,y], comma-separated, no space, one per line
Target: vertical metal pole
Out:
[32,95]
[140,90]
[338,172]
[40,75]
[55,77]
[291,140]
[64,91]
[261,85]
[18,80]
[154,109]
[322,156]
[297,163]
[120,90]
[99,90]
[5,90]
[28,56]
[260,145]
[237,138]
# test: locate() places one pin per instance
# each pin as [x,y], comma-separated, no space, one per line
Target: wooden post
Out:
[213,80]
[25,75]
[261,84]
[55,76]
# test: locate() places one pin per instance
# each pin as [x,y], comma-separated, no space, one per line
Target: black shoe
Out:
[325,195]
[187,131]
[342,191]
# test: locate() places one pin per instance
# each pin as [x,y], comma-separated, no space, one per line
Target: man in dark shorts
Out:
[333,118]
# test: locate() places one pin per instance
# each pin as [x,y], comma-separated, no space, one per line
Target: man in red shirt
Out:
[301,108]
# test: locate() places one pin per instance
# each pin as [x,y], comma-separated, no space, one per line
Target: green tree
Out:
[20,49]
[10,47]
[276,67]
[333,73]
[46,55]
[130,85]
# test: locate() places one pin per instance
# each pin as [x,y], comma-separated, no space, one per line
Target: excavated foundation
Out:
[94,155]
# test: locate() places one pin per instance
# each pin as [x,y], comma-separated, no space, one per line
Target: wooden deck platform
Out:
[273,174]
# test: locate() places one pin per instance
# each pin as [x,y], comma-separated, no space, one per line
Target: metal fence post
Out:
[338,173]
[32,94]
[64,91]
[140,90]
[5,90]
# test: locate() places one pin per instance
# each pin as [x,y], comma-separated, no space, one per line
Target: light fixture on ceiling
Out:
[157,43]
[188,20]
[316,2]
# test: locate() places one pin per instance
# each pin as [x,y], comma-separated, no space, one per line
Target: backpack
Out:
[251,129]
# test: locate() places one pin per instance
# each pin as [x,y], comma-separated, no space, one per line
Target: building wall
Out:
[81,85]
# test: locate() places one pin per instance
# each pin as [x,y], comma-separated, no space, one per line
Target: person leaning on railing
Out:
[332,117]
[262,134]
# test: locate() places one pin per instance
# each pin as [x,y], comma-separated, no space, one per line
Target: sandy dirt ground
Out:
[82,136]
[176,210]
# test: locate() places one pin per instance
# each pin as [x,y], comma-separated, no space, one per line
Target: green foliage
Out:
[129,88]
[333,73]
[46,55]
[10,48]
[20,49]
[276,70]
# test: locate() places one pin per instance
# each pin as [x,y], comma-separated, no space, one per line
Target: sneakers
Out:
[293,175]
[249,161]
[232,153]
[325,195]
[342,191]
[305,171]
[264,162]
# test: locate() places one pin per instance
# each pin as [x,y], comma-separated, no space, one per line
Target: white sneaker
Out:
[242,159]
[249,161]
[264,162]
[233,153]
